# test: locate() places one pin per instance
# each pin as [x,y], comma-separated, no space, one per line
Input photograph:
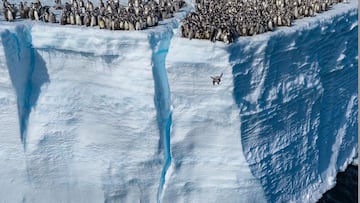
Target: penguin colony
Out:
[136,16]
[225,20]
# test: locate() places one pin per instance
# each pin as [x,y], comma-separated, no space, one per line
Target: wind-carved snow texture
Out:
[207,160]
[133,116]
[297,94]
[115,130]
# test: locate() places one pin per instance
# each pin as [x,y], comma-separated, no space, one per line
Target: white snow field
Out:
[89,115]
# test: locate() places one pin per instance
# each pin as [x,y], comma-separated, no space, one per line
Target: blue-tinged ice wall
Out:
[297,95]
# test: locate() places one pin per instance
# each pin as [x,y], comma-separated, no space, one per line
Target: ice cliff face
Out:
[297,95]
[90,115]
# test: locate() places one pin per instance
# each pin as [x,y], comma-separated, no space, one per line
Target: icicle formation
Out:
[137,15]
[225,20]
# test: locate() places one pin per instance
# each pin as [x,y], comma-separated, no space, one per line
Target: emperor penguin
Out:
[279,20]
[136,3]
[101,22]
[72,19]
[126,25]
[251,30]
[317,7]
[52,17]
[218,34]
[63,18]
[311,12]
[121,25]
[107,20]
[81,3]
[115,24]
[138,25]
[155,20]
[45,17]
[78,20]
[9,15]
[176,6]
[36,14]
[149,21]
[146,9]
[10,12]
[244,31]
[216,79]
[296,12]
[87,19]
[93,20]
[89,6]
[131,25]
[24,11]
[306,12]
[142,23]
[68,17]
[225,38]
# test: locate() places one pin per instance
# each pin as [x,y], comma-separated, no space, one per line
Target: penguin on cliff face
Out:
[216,79]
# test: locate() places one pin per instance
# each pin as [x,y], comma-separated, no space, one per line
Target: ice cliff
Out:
[91,115]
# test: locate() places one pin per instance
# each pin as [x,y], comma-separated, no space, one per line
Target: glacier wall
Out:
[95,112]
[297,95]
[91,115]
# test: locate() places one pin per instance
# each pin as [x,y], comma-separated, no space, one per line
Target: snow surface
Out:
[91,115]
